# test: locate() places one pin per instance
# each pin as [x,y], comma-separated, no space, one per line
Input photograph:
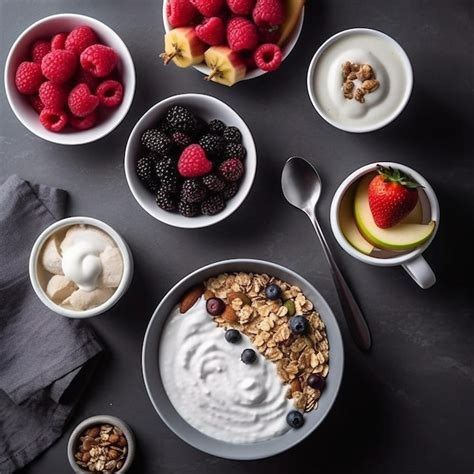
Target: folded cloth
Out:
[45,359]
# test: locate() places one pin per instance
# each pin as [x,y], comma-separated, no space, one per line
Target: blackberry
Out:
[165,200]
[193,191]
[216,127]
[213,183]
[212,205]
[145,168]
[181,140]
[232,135]
[201,127]
[213,145]
[230,190]
[163,127]
[153,185]
[187,209]
[180,119]
[166,171]
[156,141]
[235,150]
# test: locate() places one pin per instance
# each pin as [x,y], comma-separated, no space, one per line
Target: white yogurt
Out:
[212,389]
[391,68]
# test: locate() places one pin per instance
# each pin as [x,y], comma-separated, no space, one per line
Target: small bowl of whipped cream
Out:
[80,267]
[360,80]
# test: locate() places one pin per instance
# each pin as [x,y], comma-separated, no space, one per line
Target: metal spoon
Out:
[301,186]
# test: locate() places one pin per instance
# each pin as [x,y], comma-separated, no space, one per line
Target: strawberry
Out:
[193,162]
[392,196]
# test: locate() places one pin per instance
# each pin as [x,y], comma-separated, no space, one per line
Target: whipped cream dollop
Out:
[212,389]
[86,264]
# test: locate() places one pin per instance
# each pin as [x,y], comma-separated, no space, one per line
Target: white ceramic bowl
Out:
[39,287]
[166,410]
[208,108]
[255,72]
[98,420]
[389,118]
[22,108]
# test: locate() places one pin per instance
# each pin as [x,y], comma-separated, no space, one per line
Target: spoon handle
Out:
[355,319]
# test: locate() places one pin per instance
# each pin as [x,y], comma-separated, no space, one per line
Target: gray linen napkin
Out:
[45,359]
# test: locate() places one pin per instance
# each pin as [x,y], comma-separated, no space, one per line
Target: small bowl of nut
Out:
[101,443]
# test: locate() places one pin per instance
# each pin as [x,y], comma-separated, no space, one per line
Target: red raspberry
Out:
[28,77]
[52,95]
[209,7]
[241,34]
[99,60]
[83,76]
[181,13]
[110,93]
[268,13]
[58,41]
[39,50]
[268,57]
[232,169]
[193,162]
[36,103]
[81,102]
[268,35]
[211,31]
[84,123]
[80,38]
[59,65]
[54,120]
[241,7]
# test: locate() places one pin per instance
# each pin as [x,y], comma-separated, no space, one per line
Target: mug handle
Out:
[421,272]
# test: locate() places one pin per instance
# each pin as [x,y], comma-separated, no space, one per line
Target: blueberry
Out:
[298,325]
[273,292]
[295,419]
[215,306]
[316,381]
[248,356]
[232,336]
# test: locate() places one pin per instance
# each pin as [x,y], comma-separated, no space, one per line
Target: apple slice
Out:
[293,12]
[226,66]
[183,47]
[402,236]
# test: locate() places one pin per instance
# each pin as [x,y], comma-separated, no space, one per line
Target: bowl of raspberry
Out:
[231,40]
[69,79]
[190,161]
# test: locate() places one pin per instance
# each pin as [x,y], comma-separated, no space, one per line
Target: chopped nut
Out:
[347,89]
[346,70]
[359,95]
[370,85]
[365,72]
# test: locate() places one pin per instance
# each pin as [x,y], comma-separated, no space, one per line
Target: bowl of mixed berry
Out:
[231,40]
[69,79]
[190,161]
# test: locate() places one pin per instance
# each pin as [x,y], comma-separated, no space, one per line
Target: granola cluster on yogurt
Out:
[266,321]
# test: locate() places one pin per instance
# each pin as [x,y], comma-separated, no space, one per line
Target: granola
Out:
[365,74]
[265,322]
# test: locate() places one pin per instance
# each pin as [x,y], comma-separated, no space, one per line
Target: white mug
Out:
[413,262]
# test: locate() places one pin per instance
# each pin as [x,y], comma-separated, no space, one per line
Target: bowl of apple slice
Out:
[231,40]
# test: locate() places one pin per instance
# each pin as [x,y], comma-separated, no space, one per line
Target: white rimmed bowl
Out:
[286,50]
[208,108]
[412,261]
[20,104]
[164,407]
[97,420]
[408,71]
[39,287]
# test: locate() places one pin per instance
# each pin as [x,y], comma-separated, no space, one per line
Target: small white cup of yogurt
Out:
[80,267]
[345,229]
[360,100]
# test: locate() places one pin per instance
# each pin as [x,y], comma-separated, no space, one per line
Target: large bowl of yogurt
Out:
[206,395]
[373,90]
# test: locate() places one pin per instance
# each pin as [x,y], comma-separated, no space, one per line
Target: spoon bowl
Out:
[301,184]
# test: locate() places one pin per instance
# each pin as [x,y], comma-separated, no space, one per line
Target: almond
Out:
[237,294]
[295,386]
[229,315]
[208,294]
[190,297]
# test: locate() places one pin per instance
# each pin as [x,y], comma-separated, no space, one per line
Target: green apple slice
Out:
[403,236]
[349,227]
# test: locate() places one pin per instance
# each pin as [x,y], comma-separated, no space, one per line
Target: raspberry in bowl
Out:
[190,161]
[231,40]
[69,79]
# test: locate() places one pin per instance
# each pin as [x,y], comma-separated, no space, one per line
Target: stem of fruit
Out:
[214,72]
